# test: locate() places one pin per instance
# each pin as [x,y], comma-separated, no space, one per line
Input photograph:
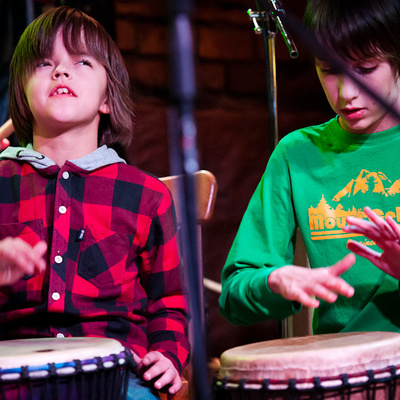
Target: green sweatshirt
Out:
[315,178]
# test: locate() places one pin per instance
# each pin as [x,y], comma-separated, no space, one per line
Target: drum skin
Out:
[33,352]
[302,360]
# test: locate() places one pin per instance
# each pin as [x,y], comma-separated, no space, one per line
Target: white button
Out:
[62,209]
[60,335]
[58,259]
[65,174]
[55,296]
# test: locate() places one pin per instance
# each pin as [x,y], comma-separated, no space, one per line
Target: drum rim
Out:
[67,368]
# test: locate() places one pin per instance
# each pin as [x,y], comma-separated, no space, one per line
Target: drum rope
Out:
[348,383]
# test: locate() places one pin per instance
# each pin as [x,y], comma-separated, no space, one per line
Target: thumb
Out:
[40,248]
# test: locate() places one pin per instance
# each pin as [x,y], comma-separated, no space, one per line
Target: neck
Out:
[69,145]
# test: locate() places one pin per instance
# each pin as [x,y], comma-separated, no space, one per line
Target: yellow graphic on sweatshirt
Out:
[326,220]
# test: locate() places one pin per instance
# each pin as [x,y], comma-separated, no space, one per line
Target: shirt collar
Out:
[101,157]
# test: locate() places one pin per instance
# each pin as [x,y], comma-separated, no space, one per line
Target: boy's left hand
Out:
[155,366]
[385,233]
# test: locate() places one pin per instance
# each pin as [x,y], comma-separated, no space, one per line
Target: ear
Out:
[104,108]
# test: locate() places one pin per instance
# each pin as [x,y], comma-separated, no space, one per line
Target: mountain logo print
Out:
[328,217]
[365,181]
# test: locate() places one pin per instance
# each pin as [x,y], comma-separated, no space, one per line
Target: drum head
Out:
[63,369]
[312,356]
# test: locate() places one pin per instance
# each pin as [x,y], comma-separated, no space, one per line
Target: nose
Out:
[59,71]
[348,89]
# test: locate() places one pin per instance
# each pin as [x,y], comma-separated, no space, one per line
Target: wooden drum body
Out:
[63,369]
[360,365]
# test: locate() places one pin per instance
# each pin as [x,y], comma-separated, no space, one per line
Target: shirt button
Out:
[60,335]
[62,210]
[55,296]
[65,174]
[58,259]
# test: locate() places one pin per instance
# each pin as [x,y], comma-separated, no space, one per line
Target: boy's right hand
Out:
[18,258]
[302,284]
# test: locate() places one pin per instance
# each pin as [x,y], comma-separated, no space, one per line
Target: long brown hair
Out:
[81,34]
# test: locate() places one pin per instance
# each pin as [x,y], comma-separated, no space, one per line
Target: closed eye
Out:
[366,70]
[329,71]
[326,68]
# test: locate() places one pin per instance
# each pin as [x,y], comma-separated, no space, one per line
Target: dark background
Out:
[231,110]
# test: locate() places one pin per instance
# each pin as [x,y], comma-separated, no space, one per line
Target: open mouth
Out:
[62,90]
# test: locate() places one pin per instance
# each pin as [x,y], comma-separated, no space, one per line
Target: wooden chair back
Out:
[206,192]
[205,196]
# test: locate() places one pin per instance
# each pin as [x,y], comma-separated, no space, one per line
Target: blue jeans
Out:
[138,389]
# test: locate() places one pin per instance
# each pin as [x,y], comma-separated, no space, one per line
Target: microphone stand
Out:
[267,23]
[184,161]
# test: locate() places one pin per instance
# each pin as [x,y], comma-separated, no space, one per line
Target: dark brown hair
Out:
[357,29]
[81,34]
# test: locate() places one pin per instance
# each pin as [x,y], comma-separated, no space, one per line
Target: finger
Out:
[334,282]
[366,228]
[8,276]
[176,386]
[40,250]
[343,265]
[395,227]
[338,286]
[376,228]
[137,360]
[364,251]
[4,143]
[385,229]
[151,357]
[303,298]
[166,378]
[31,258]
[156,369]
[323,293]
[17,254]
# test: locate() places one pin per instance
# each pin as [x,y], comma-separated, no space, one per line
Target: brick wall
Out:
[231,116]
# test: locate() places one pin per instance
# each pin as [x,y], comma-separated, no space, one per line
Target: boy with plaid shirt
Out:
[88,243]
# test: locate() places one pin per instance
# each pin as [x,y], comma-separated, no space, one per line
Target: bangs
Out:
[81,35]
[339,25]
[86,39]
[348,39]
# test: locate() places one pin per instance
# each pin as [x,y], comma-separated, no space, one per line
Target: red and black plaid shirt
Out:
[113,260]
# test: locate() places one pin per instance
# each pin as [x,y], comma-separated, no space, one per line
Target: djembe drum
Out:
[63,369]
[361,365]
